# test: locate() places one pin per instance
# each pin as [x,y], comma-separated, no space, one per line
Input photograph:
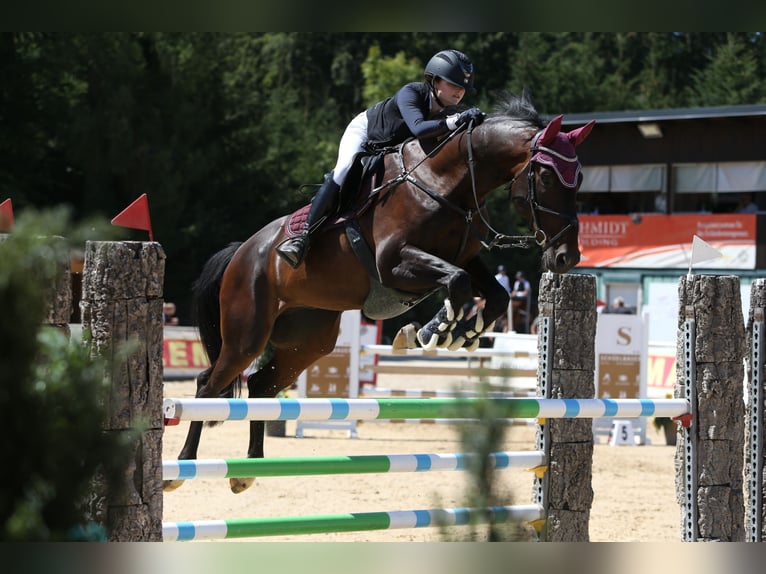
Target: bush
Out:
[52,398]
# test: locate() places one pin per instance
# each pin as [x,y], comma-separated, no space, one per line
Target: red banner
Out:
[658,241]
[183,356]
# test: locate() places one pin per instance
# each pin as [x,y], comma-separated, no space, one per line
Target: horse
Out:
[419,229]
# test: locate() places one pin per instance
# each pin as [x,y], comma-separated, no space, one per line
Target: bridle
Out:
[541,238]
[539,235]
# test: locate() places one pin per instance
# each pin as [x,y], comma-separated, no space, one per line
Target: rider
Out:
[448,75]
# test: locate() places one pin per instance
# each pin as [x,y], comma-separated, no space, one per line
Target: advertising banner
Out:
[183,356]
[658,241]
[619,345]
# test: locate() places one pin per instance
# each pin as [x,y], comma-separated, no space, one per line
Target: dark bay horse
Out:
[424,229]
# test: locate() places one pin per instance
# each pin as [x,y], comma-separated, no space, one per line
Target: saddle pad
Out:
[294,223]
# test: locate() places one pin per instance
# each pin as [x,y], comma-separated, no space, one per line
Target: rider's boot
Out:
[294,249]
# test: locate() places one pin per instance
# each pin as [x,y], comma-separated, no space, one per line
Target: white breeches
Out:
[351,143]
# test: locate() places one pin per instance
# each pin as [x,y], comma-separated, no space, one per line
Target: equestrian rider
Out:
[392,121]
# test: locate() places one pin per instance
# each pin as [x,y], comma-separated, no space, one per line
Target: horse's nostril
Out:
[566,260]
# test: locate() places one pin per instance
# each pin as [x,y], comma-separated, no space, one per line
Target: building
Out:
[655,178]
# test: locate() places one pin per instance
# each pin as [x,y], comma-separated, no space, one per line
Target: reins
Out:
[500,240]
[405,174]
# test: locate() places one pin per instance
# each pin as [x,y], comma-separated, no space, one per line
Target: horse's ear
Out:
[577,136]
[551,131]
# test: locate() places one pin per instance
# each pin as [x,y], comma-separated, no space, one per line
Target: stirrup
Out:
[293,250]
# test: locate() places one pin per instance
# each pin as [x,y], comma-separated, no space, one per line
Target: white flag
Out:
[702,251]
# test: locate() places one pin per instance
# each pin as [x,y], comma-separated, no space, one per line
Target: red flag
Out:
[6,216]
[136,216]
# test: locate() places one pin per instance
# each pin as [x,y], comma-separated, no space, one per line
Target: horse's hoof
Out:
[238,485]
[405,338]
[169,485]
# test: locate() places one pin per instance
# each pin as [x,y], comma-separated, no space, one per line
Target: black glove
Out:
[474,114]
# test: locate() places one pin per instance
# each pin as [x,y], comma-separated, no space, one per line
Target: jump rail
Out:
[404,408]
[360,464]
[352,522]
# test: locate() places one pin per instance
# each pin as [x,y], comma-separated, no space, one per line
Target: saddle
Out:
[355,195]
[358,194]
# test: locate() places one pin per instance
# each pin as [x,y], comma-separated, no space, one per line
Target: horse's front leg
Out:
[417,271]
[466,333]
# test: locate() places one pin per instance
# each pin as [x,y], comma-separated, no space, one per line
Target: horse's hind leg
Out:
[189,449]
[300,337]
[218,380]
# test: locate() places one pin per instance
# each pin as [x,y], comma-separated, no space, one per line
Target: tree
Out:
[384,76]
[731,76]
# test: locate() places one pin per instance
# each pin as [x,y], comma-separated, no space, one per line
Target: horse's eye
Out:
[547,178]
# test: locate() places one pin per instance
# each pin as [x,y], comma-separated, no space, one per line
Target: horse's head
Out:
[548,199]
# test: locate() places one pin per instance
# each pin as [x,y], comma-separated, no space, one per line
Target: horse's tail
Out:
[206,307]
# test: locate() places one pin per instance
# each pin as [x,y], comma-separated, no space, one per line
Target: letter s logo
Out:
[624,336]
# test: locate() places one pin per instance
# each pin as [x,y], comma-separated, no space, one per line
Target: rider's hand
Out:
[465,117]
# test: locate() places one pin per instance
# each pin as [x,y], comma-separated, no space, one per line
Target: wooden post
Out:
[714,444]
[569,301]
[122,308]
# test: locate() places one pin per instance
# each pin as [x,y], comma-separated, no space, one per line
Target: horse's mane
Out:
[518,107]
[509,106]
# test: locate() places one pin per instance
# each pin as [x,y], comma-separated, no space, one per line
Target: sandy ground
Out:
[633,485]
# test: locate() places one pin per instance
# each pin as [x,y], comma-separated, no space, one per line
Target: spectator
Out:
[503,279]
[618,306]
[746,204]
[521,299]
[521,287]
[169,313]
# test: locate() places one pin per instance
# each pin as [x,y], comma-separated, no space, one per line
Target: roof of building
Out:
[638,116]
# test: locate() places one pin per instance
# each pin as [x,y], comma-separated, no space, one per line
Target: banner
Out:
[658,241]
[183,356]
[619,346]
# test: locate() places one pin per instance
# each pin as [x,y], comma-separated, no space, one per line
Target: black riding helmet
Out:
[452,66]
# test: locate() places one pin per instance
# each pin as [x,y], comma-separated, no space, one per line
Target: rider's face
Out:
[449,94]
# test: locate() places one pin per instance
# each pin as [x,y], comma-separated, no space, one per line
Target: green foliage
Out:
[52,397]
[730,76]
[481,438]
[384,76]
